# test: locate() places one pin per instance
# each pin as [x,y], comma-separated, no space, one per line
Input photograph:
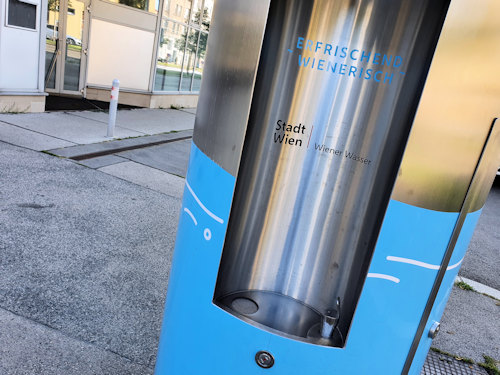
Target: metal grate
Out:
[440,364]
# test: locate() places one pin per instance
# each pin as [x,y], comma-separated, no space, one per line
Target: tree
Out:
[139,4]
[54,5]
[192,38]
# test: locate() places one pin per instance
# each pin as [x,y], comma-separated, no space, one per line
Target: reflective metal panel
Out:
[233,54]
[477,192]
[460,99]
[485,172]
[336,92]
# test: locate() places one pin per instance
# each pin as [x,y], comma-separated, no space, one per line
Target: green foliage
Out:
[464,286]
[462,359]
[53,5]
[139,4]
[192,38]
[490,365]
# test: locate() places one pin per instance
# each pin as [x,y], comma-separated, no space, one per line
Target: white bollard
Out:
[113,105]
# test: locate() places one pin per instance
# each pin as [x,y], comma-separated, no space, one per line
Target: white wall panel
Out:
[124,15]
[122,52]
[19,54]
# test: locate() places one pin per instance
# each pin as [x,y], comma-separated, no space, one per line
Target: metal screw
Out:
[433,331]
[264,359]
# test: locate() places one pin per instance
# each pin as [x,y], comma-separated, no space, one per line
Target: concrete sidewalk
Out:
[50,130]
[85,256]
[86,241]
[150,148]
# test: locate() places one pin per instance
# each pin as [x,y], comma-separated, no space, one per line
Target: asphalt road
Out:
[482,262]
[84,267]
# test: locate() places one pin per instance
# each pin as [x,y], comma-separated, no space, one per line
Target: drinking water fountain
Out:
[337,171]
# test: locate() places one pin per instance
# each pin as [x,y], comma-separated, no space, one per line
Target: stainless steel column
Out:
[336,92]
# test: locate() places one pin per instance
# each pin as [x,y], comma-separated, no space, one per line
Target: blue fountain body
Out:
[198,337]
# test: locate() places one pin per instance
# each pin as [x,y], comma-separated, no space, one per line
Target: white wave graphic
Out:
[418,263]
[209,213]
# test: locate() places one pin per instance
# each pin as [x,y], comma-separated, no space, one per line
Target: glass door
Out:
[66,46]
[51,44]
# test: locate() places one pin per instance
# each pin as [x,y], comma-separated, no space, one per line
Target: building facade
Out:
[156,48]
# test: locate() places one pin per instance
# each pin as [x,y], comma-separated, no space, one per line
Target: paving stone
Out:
[110,146]
[30,348]
[25,138]
[65,126]
[170,157]
[102,161]
[157,120]
[151,178]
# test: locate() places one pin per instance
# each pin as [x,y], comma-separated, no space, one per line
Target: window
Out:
[147,5]
[200,61]
[195,12]
[182,45]
[22,14]
[170,57]
[177,10]
[208,8]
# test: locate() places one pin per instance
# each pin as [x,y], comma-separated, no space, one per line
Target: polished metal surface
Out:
[486,172]
[434,330]
[460,98]
[233,52]
[276,311]
[482,180]
[329,322]
[323,147]
[315,335]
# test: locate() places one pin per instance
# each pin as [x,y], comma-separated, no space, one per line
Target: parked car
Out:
[52,33]
[73,41]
